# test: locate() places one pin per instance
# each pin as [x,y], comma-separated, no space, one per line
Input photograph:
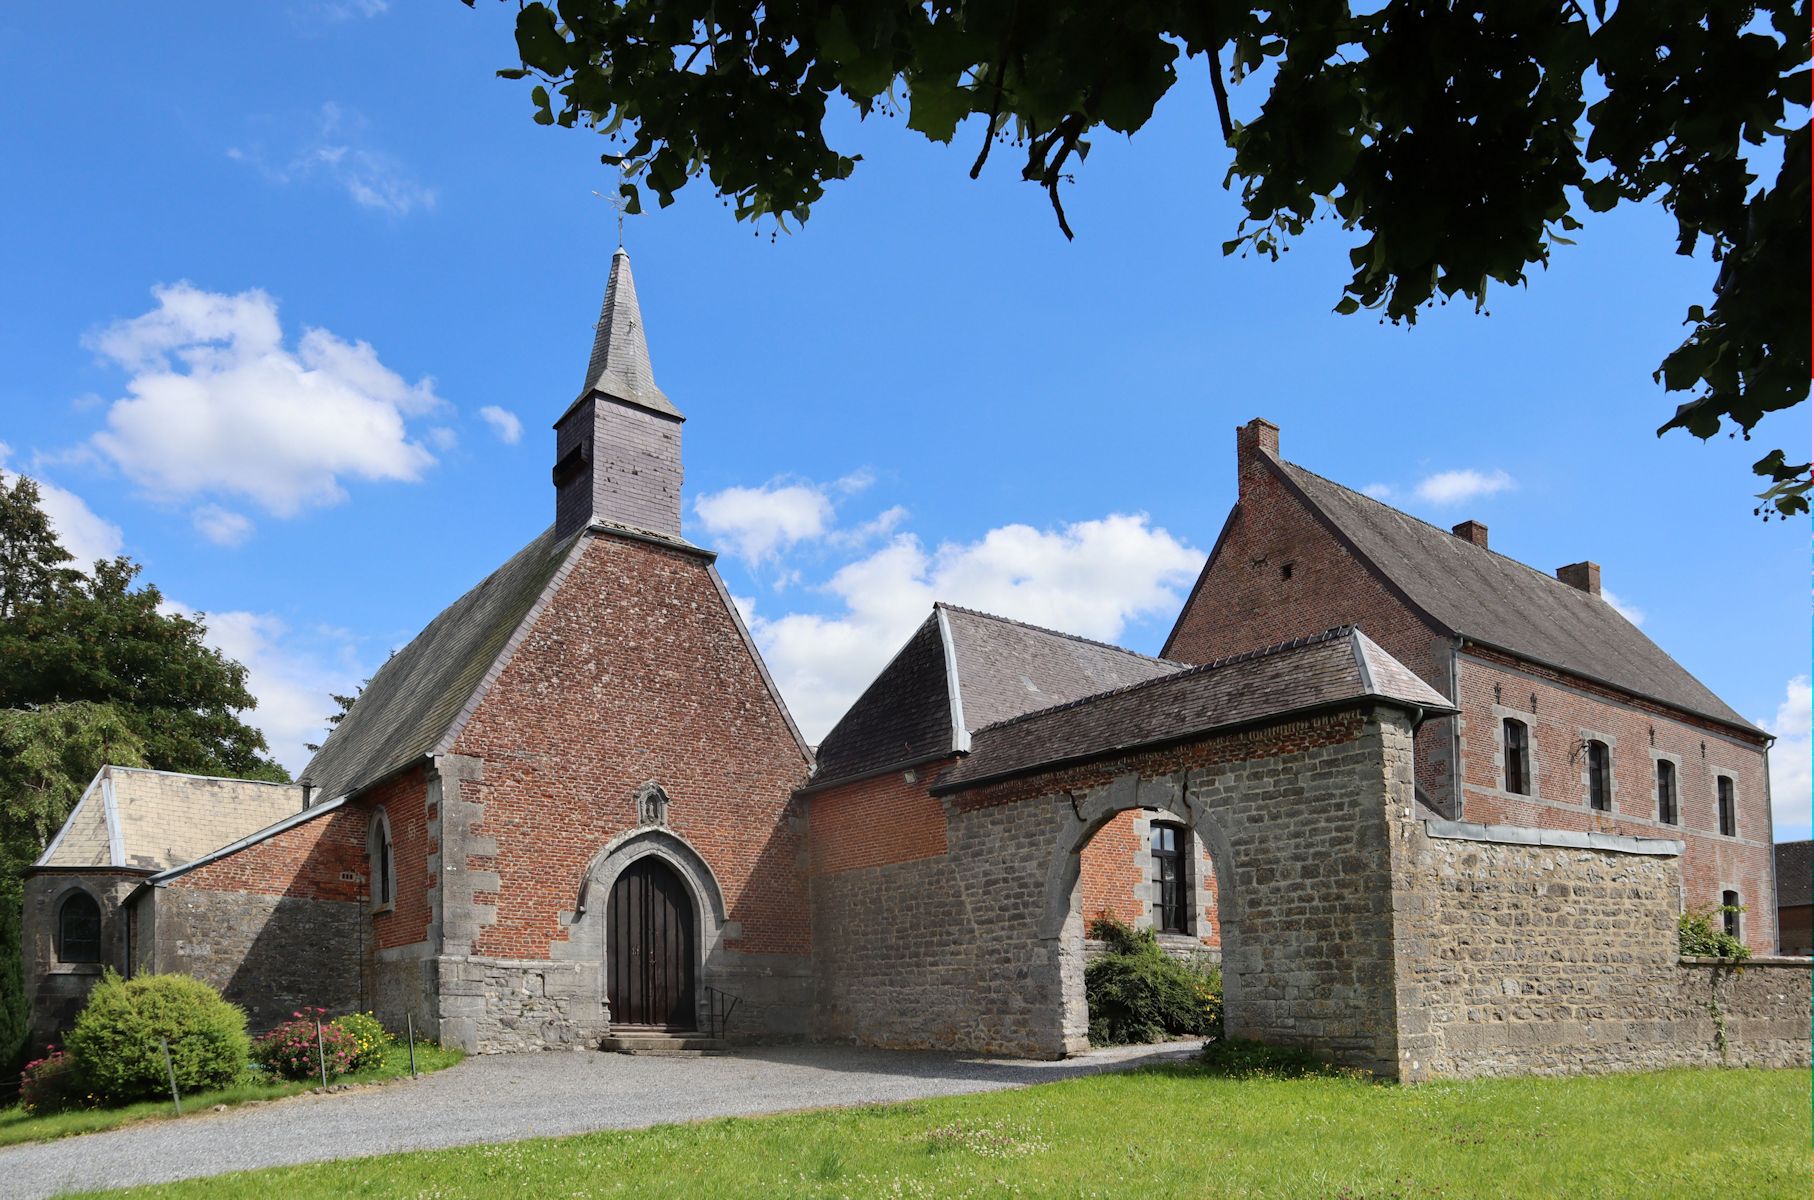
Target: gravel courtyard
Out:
[505,1097]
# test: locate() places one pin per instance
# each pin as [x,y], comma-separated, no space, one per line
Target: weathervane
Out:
[618,201]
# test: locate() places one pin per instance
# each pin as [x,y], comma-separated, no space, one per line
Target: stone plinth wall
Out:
[271,955]
[1519,959]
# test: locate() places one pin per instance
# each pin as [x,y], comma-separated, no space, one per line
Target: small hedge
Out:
[370,1039]
[118,1041]
[1138,993]
[290,1052]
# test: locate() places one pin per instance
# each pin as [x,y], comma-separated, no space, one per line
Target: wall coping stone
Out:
[1759,960]
[1520,835]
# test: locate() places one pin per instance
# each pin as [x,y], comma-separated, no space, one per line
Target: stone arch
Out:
[72,895]
[587,929]
[381,861]
[1061,922]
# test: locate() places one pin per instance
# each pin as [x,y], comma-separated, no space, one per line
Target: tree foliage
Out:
[1454,139]
[31,559]
[107,641]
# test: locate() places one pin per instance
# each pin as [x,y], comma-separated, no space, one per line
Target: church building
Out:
[575,812]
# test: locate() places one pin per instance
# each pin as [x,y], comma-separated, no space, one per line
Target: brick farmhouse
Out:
[1435,811]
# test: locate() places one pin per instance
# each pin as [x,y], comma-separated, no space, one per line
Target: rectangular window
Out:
[1729,909]
[1728,808]
[1668,810]
[1599,776]
[1517,758]
[1168,863]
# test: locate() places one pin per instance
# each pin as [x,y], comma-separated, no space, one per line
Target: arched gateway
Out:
[651,944]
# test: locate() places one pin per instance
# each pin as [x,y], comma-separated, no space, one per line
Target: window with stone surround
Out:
[1517,757]
[1599,776]
[1728,803]
[1171,874]
[379,849]
[79,929]
[1729,911]
[1669,809]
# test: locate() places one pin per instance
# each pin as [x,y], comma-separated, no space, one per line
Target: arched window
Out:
[1599,776]
[1669,810]
[1172,874]
[383,862]
[1728,807]
[1517,757]
[79,929]
[1729,911]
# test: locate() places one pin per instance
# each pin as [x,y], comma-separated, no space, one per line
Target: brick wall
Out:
[1244,601]
[322,859]
[1111,873]
[1562,718]
[414,842]
[873,822]
[1522,959]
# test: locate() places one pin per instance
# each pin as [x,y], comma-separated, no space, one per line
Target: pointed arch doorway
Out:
[651,948]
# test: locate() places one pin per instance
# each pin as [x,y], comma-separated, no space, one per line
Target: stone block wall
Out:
[1519,959]
[55,991]
[269,954]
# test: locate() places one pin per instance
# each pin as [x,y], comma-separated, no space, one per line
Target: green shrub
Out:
[50,1084]
[290,1052]
[1700,937]
[118,1040]
[1138,993]
[369,1039]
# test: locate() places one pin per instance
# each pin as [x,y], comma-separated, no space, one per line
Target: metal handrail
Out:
[718,1013]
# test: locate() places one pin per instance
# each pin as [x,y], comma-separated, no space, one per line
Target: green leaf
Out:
[539,41]
[540,98]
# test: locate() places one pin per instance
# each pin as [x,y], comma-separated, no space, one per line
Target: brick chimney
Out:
[1583,575]
[1471,531]
[1258,434]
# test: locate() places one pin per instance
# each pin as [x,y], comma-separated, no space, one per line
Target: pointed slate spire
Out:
[620,353]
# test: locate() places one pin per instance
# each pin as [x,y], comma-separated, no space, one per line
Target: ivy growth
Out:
[1455,141]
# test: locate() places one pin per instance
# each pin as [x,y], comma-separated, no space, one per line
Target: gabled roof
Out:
[619,366]
[962,670]
[1497,601]
[136,819]
[426,689]
[1794,873]
[1331,669]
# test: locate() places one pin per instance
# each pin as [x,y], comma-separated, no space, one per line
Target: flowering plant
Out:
[291,1049]
[49,1084]
[369,1039]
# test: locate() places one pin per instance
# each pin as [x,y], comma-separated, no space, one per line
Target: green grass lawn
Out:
[18,1126]
[1168,1131]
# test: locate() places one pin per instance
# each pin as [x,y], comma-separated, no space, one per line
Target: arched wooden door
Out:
[650,949]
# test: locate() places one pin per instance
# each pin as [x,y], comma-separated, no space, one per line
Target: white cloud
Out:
[86,536]
[1090,578]
[1791,777]
[222,526]
[883,524]
[1379,491]
[217,404]
[1453,487]
[1624,608]
[341,154]
[761,522]
[504,423]
[293,674]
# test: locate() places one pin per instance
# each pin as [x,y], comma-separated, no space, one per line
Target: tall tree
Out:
[1452,138]
[106,641]
[47,756]
[343,705]
[31,559]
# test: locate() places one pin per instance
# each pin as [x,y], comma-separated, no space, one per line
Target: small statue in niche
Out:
[651,804]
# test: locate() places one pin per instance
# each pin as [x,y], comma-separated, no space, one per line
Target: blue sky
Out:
[327,229]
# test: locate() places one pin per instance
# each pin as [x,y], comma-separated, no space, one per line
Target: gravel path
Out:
[499,1098]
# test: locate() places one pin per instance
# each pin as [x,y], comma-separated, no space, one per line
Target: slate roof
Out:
[1498,601]
[1794,873]
[961,670]
[1308,674]
[416,698]
[153,820]
[619,366]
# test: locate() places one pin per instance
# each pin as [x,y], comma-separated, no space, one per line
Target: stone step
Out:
[675,1044]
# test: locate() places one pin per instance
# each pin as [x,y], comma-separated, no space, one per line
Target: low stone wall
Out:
[271,955]
[1517,959]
